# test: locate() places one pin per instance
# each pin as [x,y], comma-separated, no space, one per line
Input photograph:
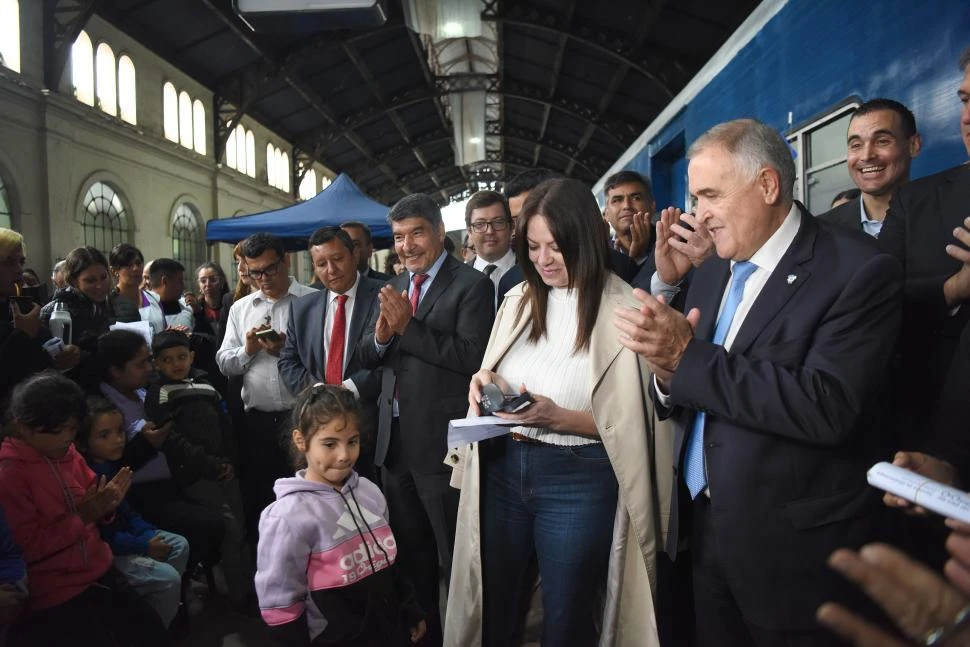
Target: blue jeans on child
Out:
[159,583]
[559,502]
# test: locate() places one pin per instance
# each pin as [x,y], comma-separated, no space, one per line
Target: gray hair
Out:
[965,60]
[754,146]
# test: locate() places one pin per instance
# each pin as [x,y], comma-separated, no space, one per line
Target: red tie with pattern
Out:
[416,292]
[335,354]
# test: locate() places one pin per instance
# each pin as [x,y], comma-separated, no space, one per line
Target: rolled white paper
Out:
[932,495]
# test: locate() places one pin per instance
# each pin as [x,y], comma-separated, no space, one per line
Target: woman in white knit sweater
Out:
[552,486]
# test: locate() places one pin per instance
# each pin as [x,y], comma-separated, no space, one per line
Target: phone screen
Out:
[268,335]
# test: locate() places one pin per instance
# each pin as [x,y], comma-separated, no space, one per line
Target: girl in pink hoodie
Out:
[53,502]
[325,570]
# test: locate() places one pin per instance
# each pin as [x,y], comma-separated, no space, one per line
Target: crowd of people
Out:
[698,395]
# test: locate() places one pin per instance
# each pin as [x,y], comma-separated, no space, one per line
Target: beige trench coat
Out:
[641,456]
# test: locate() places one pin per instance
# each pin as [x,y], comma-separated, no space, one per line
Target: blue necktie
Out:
[694,472]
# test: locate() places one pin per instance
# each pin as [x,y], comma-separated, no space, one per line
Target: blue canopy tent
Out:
[339,202]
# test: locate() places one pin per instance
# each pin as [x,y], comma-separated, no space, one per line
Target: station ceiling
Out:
[576,83]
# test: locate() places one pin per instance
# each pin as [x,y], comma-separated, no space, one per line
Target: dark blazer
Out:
[789,432]
[846,215]
[950,429]
[918,227]
[303,359]
[435,358]
[377,276]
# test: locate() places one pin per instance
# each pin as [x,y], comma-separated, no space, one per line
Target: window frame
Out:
[118,226]
[799,138]
[127,103]
[87,93]
[194,243]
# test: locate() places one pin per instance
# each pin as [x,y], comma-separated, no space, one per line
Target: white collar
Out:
[769,255]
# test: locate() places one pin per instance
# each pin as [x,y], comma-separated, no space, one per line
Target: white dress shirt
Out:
[262,388]
[766,258]
[351,295]
[502,266]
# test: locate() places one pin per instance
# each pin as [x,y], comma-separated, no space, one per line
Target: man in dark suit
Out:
[919,232]
[428,337]
[771,379]
[364,244]
[882,142]
[629,211]
[325,328]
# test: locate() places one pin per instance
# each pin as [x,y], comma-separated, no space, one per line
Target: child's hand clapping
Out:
[158,549]
[102,498]
[418,631]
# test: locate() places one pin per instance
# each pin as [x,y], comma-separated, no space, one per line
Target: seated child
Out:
[326,571]
[182,394]
[153,560]
[13,580]
[54,502]
[126,369]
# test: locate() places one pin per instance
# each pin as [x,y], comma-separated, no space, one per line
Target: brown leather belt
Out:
[528,440]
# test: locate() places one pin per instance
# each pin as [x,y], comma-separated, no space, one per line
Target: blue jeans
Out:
[559,502]
[158,583]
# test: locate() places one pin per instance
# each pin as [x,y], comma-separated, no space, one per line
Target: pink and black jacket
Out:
[325,570]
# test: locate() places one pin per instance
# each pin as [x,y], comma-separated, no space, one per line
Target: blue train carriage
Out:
[803,66]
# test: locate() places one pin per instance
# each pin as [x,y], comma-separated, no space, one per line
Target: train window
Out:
[820,158]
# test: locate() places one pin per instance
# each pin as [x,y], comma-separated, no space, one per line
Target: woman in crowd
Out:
[243,287]
[127,264]
[553,485]
[85,297]
[208,305]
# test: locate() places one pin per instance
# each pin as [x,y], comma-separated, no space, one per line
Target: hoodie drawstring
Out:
[370,557]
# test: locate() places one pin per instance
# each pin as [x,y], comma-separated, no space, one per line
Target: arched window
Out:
[170,111]
[127,89]
[285,170]
[10,34]
[104,76]
[270,165]
[325,182]
[105,217]
[240,149]
[188,241]
[250,154]
[278,169]
[198,126]
[82,69]
[185,119]
[231,150]
[308,186]
[6,209]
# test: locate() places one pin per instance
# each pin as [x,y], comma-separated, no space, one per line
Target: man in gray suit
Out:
[325,327]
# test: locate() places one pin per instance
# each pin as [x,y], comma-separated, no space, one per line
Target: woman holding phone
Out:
[573,481]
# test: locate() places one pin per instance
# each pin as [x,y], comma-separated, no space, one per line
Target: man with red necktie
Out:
[325,328]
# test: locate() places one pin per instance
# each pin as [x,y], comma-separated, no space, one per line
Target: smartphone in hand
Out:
[269,335]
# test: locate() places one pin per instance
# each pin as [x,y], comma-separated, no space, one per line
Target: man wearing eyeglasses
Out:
[255,334]
[489,225]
